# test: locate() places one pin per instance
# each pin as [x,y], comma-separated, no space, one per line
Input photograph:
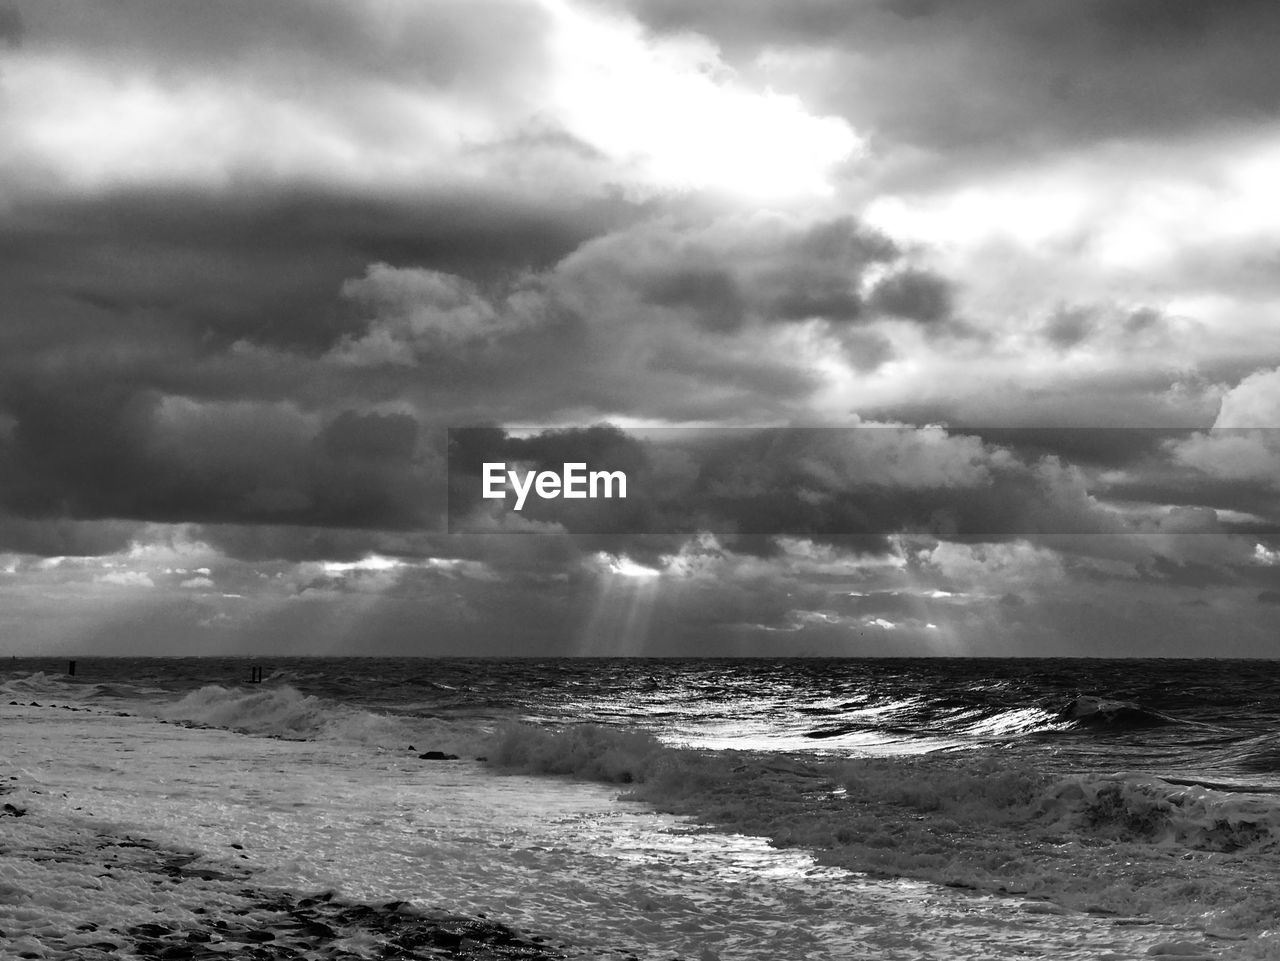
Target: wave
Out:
[1118,806]
[1097,712]
[964,723]
[37,683]
[68,688]
[284,712]
[1260,754]
[1012,722]
[1140,808]
[963,718]
[1116,843]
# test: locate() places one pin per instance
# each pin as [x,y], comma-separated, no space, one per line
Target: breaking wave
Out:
[1098,712]
[284,712]
[955,819]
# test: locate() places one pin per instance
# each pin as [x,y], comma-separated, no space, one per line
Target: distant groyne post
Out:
[71,668]
[255,675]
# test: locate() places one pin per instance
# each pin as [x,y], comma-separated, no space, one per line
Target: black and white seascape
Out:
[637,479]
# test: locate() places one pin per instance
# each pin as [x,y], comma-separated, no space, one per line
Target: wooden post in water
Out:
[255,675]
[71,668]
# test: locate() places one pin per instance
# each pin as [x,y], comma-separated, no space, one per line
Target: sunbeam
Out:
[620,618]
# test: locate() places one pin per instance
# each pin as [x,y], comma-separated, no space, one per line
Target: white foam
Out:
[1123,844]
[548,854]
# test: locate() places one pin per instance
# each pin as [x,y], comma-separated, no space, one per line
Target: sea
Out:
[632,808]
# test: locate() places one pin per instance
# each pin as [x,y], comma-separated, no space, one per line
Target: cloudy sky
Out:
[1018,259]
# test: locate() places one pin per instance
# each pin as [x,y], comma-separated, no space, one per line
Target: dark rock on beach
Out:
[308,927]
[260,923]
[151,930]
[219,913]
[438,756]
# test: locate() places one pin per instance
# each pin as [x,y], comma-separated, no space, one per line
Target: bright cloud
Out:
[125,579]
[671,111]
[591,98]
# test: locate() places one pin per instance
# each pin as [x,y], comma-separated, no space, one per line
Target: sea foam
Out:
[1110,844]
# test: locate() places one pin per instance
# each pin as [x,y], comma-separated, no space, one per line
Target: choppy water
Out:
[1139,790]
[1212,722]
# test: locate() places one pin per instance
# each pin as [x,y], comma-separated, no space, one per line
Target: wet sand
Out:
[165,841]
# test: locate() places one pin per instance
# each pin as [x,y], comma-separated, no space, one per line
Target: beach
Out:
[140,835]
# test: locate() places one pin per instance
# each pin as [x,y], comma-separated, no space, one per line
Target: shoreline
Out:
[76,887]
[612,879]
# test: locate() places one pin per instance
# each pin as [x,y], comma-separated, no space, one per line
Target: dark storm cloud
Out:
[867,350]
[1164,474]
[1105,447]
[180,351]
[437,44]
[1142,319]
[1069,327]
[12,28]
[260,263]
[1129,330]
[1188,574]
[712,294]
[1256,501]
[723,276]
[1035,73]
[122,303]
[370,438]
[72,452]
[666,319]
[868,482]
[913,294]
[270,355]
[119,452]
[62,537]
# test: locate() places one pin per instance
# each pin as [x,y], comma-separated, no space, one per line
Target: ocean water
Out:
[701,809]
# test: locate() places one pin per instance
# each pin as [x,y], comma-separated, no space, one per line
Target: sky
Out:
[924,327]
